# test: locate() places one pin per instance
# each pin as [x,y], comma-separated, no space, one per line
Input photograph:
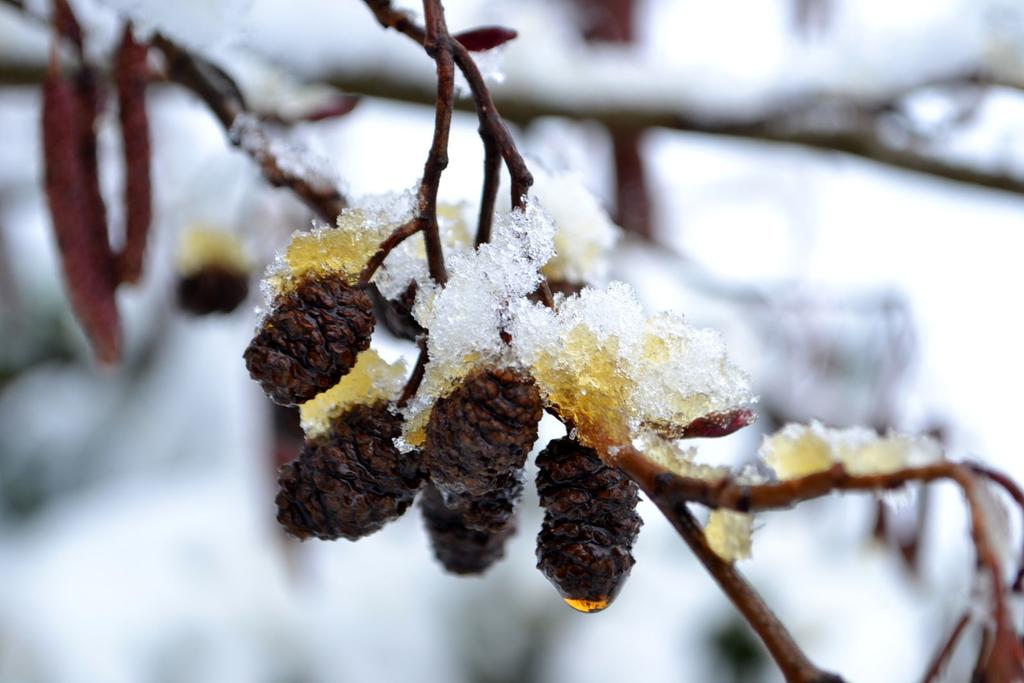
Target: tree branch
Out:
[223,97]
[793,663]
[672,492]
[782,125]
[786,125]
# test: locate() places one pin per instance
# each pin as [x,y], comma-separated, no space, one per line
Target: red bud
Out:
[719,424]
[485,37]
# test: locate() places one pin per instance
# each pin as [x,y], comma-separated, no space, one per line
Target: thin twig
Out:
[399,235]
[492,127]
[1017,494]
[489,193]
[413,383]
[437,44]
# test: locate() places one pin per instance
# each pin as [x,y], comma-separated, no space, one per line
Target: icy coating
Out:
[730,534]
[467,315]
[585,234]
[371,380]
[799,450]
[343,249]
[202,246]
[616,372]
[408,262]
[682,461]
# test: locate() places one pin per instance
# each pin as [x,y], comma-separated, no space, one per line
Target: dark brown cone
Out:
[460,549]
[213,289]
[590,523]
[396,314]
[478,436]
[311,339]
[350,482]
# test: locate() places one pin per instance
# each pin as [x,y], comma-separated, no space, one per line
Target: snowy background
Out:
[137,533]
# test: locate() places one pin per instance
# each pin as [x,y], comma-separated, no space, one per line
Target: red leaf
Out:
[485,37]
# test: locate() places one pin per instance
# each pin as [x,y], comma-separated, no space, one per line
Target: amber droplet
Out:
[587,606]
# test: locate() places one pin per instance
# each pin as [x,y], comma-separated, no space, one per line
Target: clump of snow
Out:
[371,380]
[585,233]
[799,450]
[407,263]
[467,316]
[616,372]
[343,249]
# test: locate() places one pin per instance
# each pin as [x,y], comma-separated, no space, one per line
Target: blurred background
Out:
[835,184]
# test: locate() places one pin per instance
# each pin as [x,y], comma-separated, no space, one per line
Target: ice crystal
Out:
[371,380]
[799,450]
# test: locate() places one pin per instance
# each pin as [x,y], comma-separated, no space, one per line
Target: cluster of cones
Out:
[352,479]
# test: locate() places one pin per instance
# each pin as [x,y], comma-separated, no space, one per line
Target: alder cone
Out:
[478,437]
[350,482]
[213,289]
[311,339]
[590,523]
[460,549]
